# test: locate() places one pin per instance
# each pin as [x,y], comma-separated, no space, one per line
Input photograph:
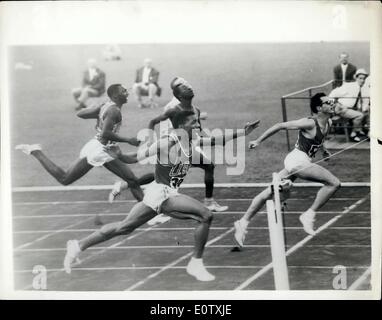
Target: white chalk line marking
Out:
[357,283]
[103,250]
[300,244]
[180,267]
[50,234]
[184,186]
[175,262]
[178,229]
[77,202]
[125,214]
[247,246]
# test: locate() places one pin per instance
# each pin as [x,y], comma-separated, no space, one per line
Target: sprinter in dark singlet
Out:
[94,153]
[298,163]
[165,122]
[161,196]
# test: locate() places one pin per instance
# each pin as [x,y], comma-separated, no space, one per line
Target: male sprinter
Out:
[165,120]
[174,156]
[93,154]
[298,163]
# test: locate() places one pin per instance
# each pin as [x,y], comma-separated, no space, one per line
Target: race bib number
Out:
[176,182]
[313,150]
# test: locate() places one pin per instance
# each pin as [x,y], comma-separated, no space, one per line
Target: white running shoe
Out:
[116,191]
[160,218]
[72,252]
[307,220]
[212,205]
[240,233]
[28,148]
[196,269]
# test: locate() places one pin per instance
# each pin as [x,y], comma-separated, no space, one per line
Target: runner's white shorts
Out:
[95,154]
[296,160]
[156,194]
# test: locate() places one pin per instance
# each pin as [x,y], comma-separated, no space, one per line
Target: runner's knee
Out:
[336,183]
[207,216]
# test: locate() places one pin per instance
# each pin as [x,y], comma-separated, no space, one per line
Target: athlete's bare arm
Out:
[162,117]
[301,124]
[112,117]
[89,113]
[222,139]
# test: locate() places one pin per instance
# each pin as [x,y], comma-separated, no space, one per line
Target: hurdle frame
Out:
[277,239]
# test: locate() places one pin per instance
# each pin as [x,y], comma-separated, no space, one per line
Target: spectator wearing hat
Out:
[93,84]
[146,83]
[355,100]
[344,71]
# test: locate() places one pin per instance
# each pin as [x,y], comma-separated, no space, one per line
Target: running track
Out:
[154,258]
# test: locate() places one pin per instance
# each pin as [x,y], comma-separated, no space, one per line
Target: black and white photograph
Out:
[202,149]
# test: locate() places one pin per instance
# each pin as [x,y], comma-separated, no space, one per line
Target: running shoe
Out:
[240,233]
[160,218]
[212,205]
[307,220]
[196,269]
[72,252]
[116,191]
[28,148]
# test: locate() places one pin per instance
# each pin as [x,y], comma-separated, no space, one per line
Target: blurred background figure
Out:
[146,84]
[93,84]
[343,72]
[112,52]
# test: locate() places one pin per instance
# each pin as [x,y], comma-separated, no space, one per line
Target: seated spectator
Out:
[93,84]
[355,100]
[343,72]
[146,84]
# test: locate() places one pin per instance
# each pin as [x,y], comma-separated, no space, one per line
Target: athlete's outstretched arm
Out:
[162,117]
[304,123]
[107,133]
[89,113]
[222,139]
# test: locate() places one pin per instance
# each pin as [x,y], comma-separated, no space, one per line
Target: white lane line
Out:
[184,186]
[76,202]
[247,246]
[356,284]
[175,262]
[181,229]
[51,233]
[125,213]
[180,267]
[102,251]
[300,244]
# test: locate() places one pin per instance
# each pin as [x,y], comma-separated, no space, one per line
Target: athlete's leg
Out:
[138,216]
[124,172]
[319,174]
[185,207]
[76,171]
[209,181]
[257,203]
[119,186]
